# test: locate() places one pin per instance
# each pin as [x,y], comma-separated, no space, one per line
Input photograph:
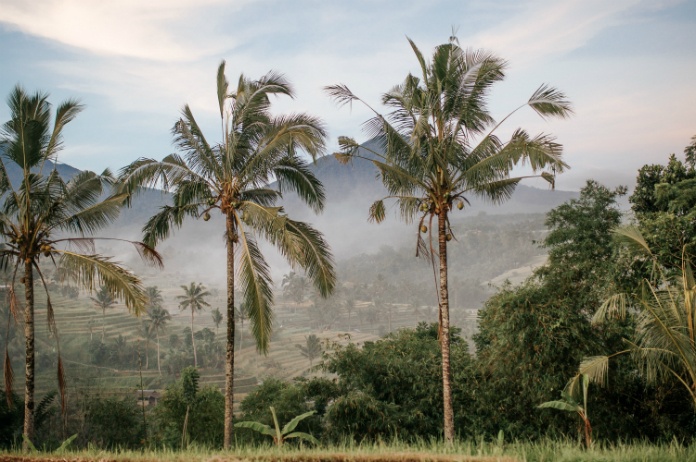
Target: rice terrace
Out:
[272,231]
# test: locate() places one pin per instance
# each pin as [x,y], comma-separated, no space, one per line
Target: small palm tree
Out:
[664,341]
[233,177]
[45,219]
[217,318]
[154,297]
[103,300]
[439,147]
[159,317]
[148,334]
[241,314]
[193,299]
[311,349]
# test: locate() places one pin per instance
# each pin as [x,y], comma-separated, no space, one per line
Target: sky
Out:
[627,66]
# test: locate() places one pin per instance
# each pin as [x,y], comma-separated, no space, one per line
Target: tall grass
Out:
[431,451]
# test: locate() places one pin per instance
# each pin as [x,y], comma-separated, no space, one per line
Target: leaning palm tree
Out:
[439,147]
[38,214]
[103,300]
[193,299]
[159,317]
[234,177]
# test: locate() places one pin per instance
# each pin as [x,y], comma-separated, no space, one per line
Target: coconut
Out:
[460,205]
[448,237]
[206,216]
[424,229]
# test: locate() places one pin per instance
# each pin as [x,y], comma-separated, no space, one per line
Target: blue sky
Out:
[628,66]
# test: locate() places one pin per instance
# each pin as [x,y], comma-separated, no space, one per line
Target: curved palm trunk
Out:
[444,328]
[29,344]
[229,357]
[193,341]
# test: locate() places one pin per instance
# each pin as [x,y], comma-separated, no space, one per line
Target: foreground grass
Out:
[548,450]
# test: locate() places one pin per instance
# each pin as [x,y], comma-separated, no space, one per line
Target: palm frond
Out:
[159,226]
[615,306]
[255,281]
[550,102]
[633,238]
[293,175]
[596,368]
[377,212]
[306,247]
[90,271]
[222,86]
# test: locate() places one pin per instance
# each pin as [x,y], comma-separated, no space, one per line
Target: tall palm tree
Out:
[159,317]
[193,299]
[103,300]
[40,212]
[440,147]
[233,177]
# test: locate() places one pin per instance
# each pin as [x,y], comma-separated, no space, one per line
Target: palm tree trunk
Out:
[193,341]
[229,357]
[159,367]
[103,322]
[29,343]
[444,329]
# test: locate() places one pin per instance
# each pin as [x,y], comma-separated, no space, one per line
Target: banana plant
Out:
[570,402]
[280,436]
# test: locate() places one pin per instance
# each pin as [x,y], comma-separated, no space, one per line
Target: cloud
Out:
[160,30]
[545,29]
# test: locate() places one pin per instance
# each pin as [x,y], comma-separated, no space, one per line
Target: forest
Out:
[573,326]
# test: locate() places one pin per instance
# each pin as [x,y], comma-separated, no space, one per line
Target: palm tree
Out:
[311,349]
[664,306]
[41,211]
[217,318]
[154,297]
[233,177]
[439,147]
[193,299]
[349,304]
[148,334]
[159,317]
[295,287]
[102,301]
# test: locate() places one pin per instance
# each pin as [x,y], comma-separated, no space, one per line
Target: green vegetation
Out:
[281,436]
[430,164]
[38,216]
[363,360]
[232,177]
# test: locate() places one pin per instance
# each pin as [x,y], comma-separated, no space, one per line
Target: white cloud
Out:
[550,28]
[155,29]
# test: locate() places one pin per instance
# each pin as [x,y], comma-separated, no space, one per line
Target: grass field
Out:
[548,450]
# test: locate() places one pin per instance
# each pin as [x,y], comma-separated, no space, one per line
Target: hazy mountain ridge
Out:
[196,250]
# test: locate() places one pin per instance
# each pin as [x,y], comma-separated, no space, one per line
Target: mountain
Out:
[352,188]
[195,252]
